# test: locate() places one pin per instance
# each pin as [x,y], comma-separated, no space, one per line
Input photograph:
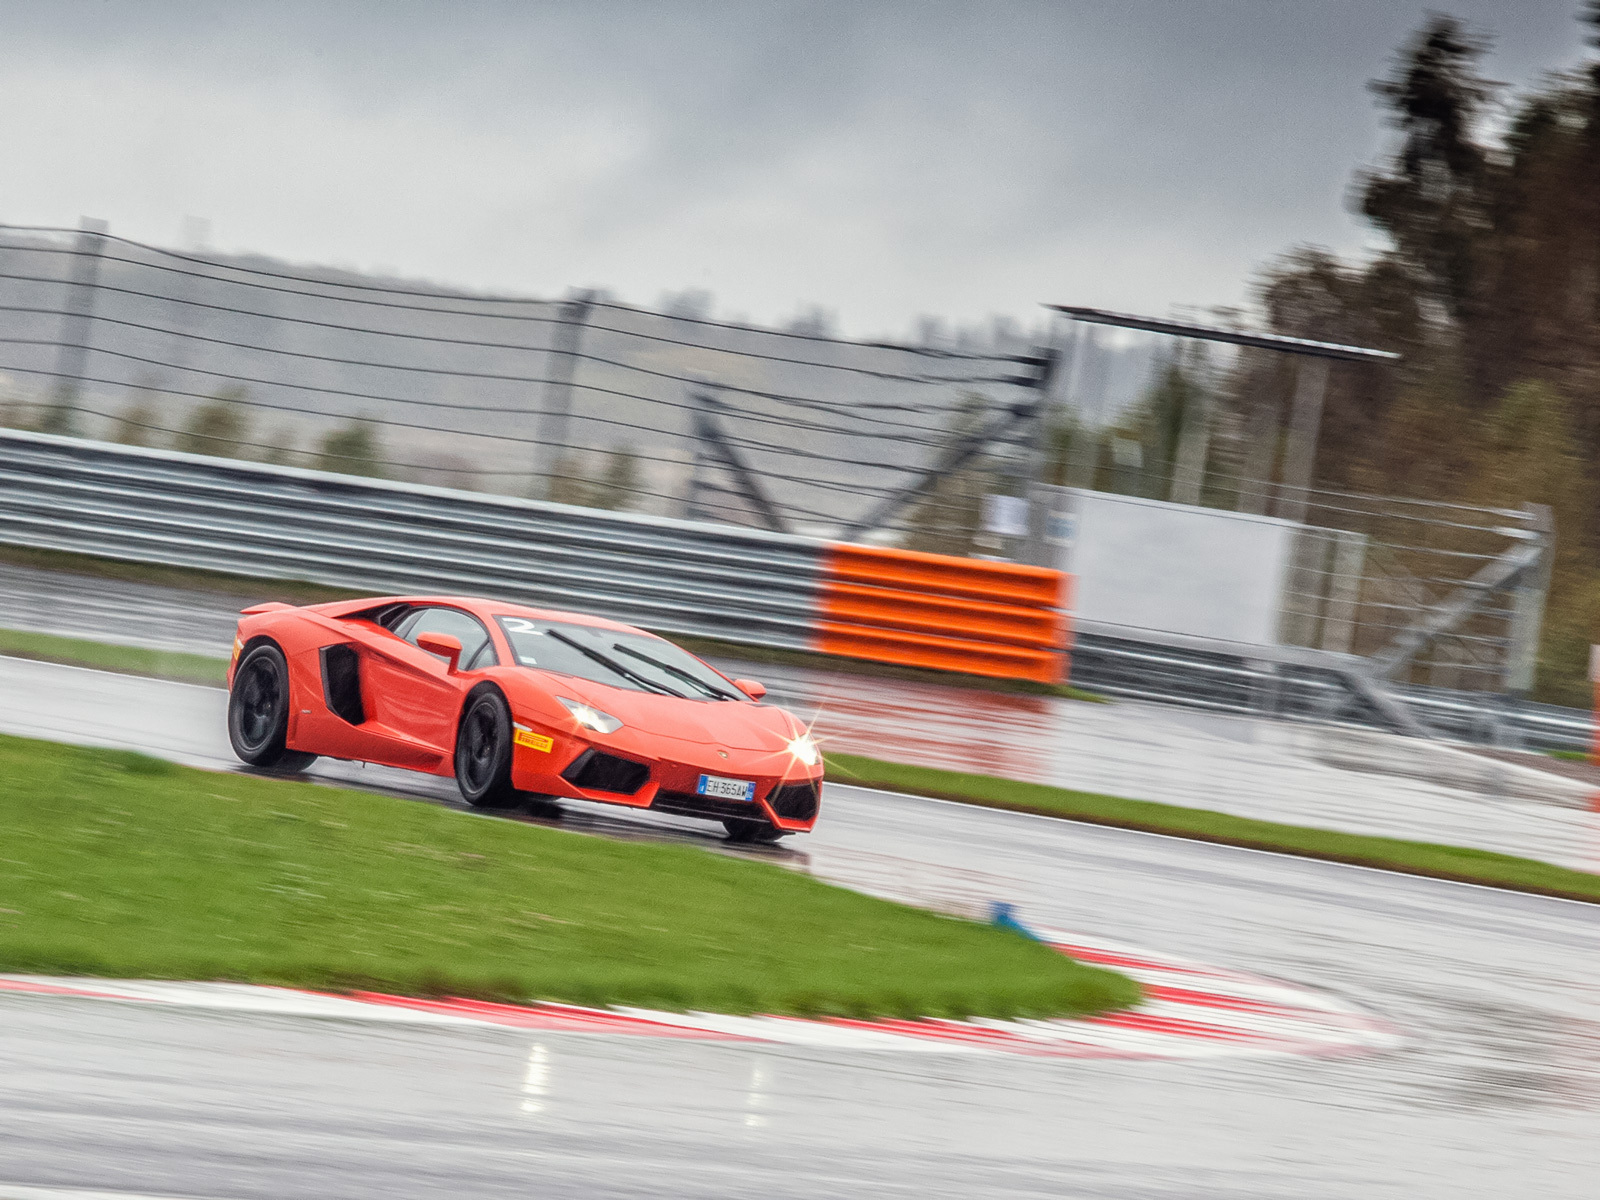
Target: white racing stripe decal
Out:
[1190,1011]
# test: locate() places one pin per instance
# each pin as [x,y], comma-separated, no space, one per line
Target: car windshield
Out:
[611,656]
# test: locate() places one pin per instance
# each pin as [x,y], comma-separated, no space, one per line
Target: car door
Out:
[412,692]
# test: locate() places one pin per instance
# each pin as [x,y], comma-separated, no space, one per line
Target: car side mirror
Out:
[751,688]
[442,644]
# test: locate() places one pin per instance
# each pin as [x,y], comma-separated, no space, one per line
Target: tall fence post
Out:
[1084,453]
[1305,421]
[694,508]
[72,350]
[1049,407]
[1261,454]
[1194,435]
[1344,592]
[1527,606]
[551,452]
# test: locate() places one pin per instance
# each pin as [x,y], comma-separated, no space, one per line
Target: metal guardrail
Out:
[281,522]
[1235,682]
[721,581]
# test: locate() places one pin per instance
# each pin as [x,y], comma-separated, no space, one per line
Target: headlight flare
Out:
[589,717]
[804,749]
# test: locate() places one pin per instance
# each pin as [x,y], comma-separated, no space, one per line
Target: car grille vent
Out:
[595,771]
[691,805]
[794,801]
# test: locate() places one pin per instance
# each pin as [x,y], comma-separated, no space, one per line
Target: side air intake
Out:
[341,683]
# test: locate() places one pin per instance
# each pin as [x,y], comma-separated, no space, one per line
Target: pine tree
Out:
[1527,449]
[1431,197]
[1490,288]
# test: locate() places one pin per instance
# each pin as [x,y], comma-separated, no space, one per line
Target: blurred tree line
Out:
[608,478]
[1490,289]
[222,427]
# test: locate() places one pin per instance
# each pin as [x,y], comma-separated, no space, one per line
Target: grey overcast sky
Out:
[877,159]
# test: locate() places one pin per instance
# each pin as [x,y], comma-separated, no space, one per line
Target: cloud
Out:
[881,160]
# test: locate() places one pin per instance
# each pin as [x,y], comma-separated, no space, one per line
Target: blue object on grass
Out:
[1005,916]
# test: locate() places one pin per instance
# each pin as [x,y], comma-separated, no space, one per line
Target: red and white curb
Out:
[1190,1011]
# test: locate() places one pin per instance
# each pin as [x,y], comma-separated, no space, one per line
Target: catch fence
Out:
[584,400]
[603,406]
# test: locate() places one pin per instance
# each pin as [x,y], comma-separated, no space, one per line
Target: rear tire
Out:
[258,712]
[483,752]
[752,832]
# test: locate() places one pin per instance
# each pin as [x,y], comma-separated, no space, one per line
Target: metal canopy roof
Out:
[1264,341]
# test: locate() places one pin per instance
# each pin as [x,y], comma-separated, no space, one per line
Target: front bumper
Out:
[620,771]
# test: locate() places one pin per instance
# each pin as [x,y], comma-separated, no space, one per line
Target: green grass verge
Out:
[1390,854]
[115,864]
[126,660]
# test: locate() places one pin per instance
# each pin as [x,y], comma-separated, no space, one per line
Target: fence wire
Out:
[594,402]
[239,356]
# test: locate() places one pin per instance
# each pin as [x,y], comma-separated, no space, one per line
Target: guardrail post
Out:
[72,352]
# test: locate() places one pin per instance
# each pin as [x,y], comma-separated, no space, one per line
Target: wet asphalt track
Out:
[1359,781]
[1496,1094]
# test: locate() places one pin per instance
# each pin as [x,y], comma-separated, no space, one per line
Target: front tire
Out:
[752,832]
[483,751]
[258,712]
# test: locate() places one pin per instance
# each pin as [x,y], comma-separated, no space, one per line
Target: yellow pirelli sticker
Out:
[533,741]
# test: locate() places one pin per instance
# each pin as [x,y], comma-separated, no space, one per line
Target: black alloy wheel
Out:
[483,751]
[752,832]
[258,712]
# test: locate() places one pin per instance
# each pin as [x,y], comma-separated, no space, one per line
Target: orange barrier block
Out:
[941,654]
[1004,620]
[854,603]
[920,572]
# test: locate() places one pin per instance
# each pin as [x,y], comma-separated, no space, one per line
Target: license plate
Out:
[727,789]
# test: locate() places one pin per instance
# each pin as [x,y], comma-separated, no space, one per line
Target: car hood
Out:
[732,723]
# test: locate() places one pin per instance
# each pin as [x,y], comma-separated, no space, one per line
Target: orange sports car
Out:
[518,703]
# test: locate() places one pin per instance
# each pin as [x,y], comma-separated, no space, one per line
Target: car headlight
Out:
[804,749]
[591,718]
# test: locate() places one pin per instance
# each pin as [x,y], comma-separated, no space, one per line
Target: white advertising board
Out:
[1173,568]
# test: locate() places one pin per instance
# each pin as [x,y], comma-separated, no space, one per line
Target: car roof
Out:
[479,607]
